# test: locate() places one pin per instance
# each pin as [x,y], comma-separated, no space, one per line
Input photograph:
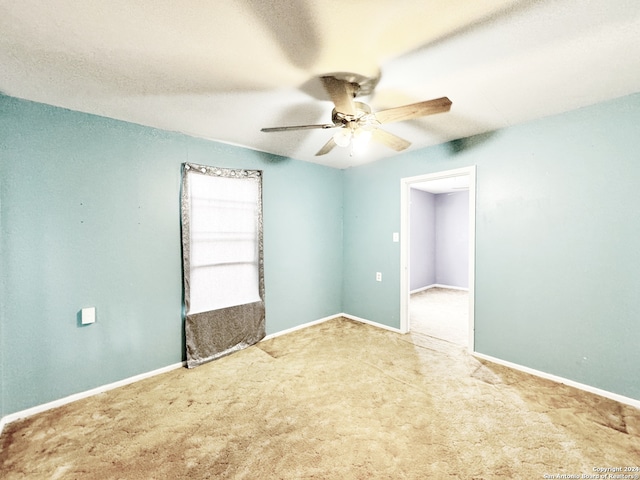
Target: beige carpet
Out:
[441,313]
[340,400]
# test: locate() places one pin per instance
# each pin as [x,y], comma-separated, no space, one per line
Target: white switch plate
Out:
[396,237]
[88,315]
[378,276]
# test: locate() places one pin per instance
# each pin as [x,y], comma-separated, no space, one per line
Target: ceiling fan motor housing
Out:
[362,110]
[364,85]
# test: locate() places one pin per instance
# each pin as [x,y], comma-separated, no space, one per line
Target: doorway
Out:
[446,187]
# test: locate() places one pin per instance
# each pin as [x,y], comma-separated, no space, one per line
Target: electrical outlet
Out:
[396,237]
[88,315]
[378,276]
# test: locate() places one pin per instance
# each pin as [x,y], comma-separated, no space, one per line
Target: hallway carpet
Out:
[338,400]
[441,313]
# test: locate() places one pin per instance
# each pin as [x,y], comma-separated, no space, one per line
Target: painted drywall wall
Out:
[557,230]
[556,256]
[452,239]
[90,217]
[422,244]
[2,292]
[439,243]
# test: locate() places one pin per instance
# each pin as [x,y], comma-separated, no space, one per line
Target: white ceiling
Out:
[223,69]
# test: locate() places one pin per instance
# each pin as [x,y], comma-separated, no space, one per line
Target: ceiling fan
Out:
[355,121]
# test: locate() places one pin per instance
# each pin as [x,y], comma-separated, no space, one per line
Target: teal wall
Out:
[89,210]
[90,217]
[557,229]
[2,289]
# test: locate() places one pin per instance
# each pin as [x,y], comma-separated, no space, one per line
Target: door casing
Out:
[405,186]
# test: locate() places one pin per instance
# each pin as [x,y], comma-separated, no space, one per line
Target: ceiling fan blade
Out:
[327,147]
[342,93]
[390,140]
[299,127]
[414,110]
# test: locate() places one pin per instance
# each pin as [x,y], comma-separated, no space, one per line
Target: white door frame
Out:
[405,186]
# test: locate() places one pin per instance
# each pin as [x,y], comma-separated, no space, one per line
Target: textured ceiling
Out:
[223,69]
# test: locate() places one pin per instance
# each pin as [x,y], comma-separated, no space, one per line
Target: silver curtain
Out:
[222,252]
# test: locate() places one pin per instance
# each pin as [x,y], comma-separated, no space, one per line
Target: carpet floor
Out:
[441,313]
[339,400]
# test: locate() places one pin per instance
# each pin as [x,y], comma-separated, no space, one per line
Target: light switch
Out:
[396,237]
[88,315]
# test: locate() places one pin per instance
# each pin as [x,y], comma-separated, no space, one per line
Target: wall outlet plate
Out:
[88,315]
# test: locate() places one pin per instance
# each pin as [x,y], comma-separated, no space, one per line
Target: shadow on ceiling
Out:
[292,26]
[461,145]
[501,14]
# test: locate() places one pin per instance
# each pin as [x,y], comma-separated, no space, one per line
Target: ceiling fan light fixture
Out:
[342,137]
[361,138]
[368,122]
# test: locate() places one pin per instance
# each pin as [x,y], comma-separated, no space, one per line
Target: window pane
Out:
[224,269]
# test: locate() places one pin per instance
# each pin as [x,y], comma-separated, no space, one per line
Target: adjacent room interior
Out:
[440,262]
[103,106]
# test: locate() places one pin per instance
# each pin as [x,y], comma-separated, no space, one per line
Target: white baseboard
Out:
[451,287]
[369,322]
[581,386]
[300,327]
[104,388]
[438,285]
[421,289]
[12,417]
[331,317]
